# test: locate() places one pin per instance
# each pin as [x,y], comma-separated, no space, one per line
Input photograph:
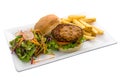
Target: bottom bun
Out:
[70,49]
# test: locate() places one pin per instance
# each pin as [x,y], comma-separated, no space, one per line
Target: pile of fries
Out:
[89,30]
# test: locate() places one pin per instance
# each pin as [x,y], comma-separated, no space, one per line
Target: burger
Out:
[68,37]
[63,37]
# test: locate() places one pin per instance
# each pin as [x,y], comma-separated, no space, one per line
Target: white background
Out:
[101,64]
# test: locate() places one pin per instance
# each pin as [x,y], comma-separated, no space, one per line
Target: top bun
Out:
[47,23]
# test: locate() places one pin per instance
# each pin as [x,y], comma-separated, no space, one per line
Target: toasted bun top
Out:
[47,23]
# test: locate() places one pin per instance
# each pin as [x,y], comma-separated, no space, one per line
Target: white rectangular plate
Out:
[99,42]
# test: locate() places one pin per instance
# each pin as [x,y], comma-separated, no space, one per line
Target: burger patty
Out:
[67,33]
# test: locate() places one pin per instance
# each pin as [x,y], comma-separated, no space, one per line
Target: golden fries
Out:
[77,23]
[84,23]
[76,16]
[94,31]
[87,33]
[89,20]
[66,21]
[99,30]
[89,30]
[88,37]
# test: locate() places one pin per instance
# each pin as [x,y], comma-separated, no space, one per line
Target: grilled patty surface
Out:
[67,33]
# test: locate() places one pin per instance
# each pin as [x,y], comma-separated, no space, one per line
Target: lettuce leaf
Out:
[25,51]
[73,44]
[52,45]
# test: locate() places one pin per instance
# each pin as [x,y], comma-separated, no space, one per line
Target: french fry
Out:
[88,37]
[88,29]
[84,23]
[89,20]
[70,20]
[99,30]
[76,16]
[65,21]
[94,31]
[93,34]
[76,22]
[87,33]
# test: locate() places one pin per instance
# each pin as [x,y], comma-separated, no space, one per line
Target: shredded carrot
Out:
[44,45]
[41,45]
[35,41]
[21,39]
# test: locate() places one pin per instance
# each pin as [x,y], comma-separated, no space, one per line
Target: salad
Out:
[28,45]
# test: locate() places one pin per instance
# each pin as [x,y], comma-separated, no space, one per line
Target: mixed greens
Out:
[51,43]
[27,49]
[24,50]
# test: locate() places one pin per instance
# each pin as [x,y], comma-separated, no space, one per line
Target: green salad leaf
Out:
[74,44]
[25,50]
[52,45]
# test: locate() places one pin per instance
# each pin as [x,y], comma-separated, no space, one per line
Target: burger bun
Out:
[47,23]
